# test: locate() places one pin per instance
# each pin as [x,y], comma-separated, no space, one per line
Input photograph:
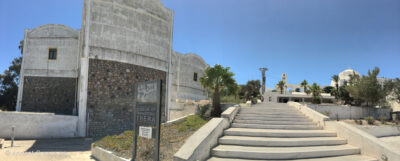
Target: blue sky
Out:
[307,39]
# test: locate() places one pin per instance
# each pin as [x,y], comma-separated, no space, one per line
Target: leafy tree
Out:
[392,88]
[281,86]
[251,90]
[218,79]
[316,93]
[344,95]
[9,83]
[304,84]
[328,89]
[367,89]
[297,90]
[335,78]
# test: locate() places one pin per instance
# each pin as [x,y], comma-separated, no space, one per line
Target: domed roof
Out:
[344,77]
[346,73]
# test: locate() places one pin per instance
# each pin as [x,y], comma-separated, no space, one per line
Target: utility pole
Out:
[263,70]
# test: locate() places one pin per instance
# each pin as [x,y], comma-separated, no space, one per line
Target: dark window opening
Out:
[195,77]
[52,54]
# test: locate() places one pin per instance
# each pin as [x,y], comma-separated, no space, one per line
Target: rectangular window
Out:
[195,77]
[52,54]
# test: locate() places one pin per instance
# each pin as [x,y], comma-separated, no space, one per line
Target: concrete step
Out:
[338,158]
[273,118]
[279,133]
[269,110]
[270,115]
[249,152]
[306,122]
[285,127]
[279,142]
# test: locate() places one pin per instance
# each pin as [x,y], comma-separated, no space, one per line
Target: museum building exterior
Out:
[92,72]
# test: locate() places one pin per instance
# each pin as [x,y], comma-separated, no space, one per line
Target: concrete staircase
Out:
[280,132]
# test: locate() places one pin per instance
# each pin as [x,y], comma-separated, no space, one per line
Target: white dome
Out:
[344,77]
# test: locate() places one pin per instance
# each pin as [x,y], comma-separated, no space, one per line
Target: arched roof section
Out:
[195,57]
[53,30]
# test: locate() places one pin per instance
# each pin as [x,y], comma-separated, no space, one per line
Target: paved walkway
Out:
[47,150]
[392,140]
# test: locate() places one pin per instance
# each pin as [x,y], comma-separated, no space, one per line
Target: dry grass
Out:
[172,138]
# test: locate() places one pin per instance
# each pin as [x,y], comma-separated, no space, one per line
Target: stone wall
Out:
[49,94]
[111,95]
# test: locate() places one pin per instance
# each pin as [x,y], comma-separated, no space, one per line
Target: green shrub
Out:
[359,122]
[326,113]
[202,110]
[193,122]
[230,99]
[383,119]
[316,100]
[117,143]
[171,134]
[370,120]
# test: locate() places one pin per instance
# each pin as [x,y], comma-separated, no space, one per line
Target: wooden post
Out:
[12,135]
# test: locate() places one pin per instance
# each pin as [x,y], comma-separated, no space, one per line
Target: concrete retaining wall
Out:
[314,115]
[105,155]
[199,145]
[178,110]
[350,112]
[380,131]
[37,125]
[369,144]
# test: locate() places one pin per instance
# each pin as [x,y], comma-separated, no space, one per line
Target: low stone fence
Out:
[369,144]
[199,145]
[314,115]
[380,131]
[105,155]
[351,112]
[29,125]
[178,110]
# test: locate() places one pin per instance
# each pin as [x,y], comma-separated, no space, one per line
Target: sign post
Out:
[147,113]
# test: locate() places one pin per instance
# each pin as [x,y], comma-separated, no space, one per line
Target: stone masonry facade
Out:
[111,95]
[49,94]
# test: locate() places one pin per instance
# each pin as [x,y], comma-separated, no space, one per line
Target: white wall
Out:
[183,68]
[37,125]
[350,112]
[380,131]
[39,40]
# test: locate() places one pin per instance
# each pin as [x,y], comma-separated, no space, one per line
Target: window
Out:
[195,77]
[52,54]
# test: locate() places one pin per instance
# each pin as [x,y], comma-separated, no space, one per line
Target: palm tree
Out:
[304,84]
[218,79]
[316,92]
[21,46]
[335,78]
[281,86]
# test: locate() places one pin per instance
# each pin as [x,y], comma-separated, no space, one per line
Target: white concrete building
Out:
[91,72]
